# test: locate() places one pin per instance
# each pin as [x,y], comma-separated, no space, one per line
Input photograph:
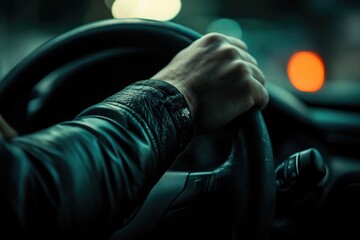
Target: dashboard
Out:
[321,209]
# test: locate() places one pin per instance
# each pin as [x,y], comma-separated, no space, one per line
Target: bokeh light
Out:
[306,71]
[162,10]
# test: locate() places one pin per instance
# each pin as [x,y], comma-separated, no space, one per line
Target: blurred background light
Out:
[226,26]
[162,10]
[306,71]
[273,32]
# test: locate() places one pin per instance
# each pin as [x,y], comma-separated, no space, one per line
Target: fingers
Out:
[216,74]
[261,96]
[218,37]
[251,80]
[256,82]
[252,65]
[214,37]
[248,58]
[244,55]
[236,42]
[235,48]
[257,74]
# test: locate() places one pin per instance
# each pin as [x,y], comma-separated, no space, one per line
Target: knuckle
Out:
[261,95]
[262,80]
[266,97]
[241,68]
[244,45]
[249,87]
[254,61]
[229,51]
[214,38]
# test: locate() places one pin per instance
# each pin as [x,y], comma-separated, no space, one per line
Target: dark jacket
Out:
[83,178]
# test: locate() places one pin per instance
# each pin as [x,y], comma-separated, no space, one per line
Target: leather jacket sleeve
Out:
[86,176]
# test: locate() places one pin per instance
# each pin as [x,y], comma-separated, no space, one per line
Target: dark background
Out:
[273,30]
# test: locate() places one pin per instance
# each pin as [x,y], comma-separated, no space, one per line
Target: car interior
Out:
[291,171]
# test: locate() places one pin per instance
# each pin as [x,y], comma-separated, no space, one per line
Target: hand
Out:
[219,79]
[5,130]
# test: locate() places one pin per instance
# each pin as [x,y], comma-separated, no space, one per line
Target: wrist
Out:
[189,96]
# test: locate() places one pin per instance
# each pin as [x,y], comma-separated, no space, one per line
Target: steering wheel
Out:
[83,66]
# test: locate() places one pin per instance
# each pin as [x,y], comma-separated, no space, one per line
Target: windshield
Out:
[310,47]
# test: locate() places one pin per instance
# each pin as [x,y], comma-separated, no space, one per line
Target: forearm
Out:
[92,172]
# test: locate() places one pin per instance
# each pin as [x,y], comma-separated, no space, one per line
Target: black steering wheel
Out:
[87,64]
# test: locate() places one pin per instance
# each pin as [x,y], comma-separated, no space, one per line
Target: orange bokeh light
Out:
[306,71]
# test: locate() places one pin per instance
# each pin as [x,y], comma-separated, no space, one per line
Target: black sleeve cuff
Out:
[162,110]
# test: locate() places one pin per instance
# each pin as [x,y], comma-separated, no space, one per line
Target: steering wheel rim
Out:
[91,38]
[247,178]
